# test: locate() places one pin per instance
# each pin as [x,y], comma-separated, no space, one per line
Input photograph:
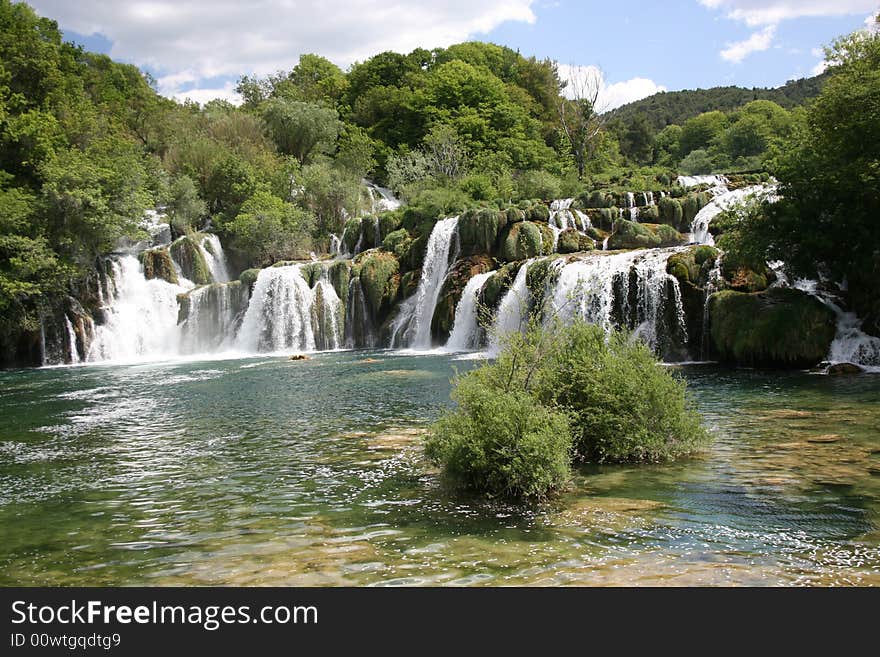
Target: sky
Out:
[197,49]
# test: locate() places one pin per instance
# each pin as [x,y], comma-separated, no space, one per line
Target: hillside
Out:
[670,107]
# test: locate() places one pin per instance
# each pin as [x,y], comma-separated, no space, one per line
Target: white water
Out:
[724,201]
[213,318]
[331,308]
[412,328]
[141,320]
[279,315]
[850,344]
[71,341]
[212,249]
[512,311]
[385,201]
[466,329]
[586,289]
[692,181]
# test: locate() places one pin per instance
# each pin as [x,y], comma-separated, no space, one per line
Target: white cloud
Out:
[758,41]
[772,12]
[202,96]
[188,41]
[610,96]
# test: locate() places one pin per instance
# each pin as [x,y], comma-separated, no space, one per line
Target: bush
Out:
[503,444]
[556,394]
[624,406]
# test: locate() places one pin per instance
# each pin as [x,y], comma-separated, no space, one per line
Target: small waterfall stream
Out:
[466,332]
[412,328]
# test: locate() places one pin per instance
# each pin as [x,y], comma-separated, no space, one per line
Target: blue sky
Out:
[198,48]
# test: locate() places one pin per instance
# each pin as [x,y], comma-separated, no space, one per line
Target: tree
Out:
[301,129]
[829,174]
[579,115]
[701,131]
[269,230]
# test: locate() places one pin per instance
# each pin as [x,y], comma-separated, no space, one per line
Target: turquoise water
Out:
[265,471]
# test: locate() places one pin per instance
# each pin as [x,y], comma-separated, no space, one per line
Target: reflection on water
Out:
[264,471]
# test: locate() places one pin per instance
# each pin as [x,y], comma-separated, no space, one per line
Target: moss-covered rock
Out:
[191,260]
[671,212]
[390,221]
[158,264]
[650,214]
[547,238]
[249,277]
[781,327]
[667,234]
[497,285]
[521,241]
[478,231]
[692,204]
[340,275]
[351,234]
[312,272]
[461,272]
[540,278]
[596,199]
[538,212]
[569,241]
[409,283]
[514,215]
[586,243]
[630,235]
[380,279]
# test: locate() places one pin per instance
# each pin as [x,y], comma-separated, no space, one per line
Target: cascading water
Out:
[713,282]
[71,341]
[412,328]
[359,324]
[212,249]
[141,320]
[279,316]
[210,316]
[599,289]
[693,181]
[850,343]
[466,328]
[328,307]
[513,310]
[700,225]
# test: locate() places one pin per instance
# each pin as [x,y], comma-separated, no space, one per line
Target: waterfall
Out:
[279,316]
[692,181]
[359,330]
[412,327]
[630,200]
[724,201]
[584,220]
[44,360]
[850,343]
[377,232]
[713,283]
[336,244]
[210,315]
[141,320]
[466,328]
[328,306]
[599,289]
[215,258]
[71,341]
[512,311]
[386,200]
[633,214]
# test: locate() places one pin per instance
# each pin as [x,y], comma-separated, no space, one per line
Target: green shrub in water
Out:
[554,394]
[501,443]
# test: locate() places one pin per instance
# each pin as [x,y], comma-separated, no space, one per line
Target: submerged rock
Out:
[838,369]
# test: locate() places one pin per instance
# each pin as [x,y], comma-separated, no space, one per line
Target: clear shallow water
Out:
[264,471]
